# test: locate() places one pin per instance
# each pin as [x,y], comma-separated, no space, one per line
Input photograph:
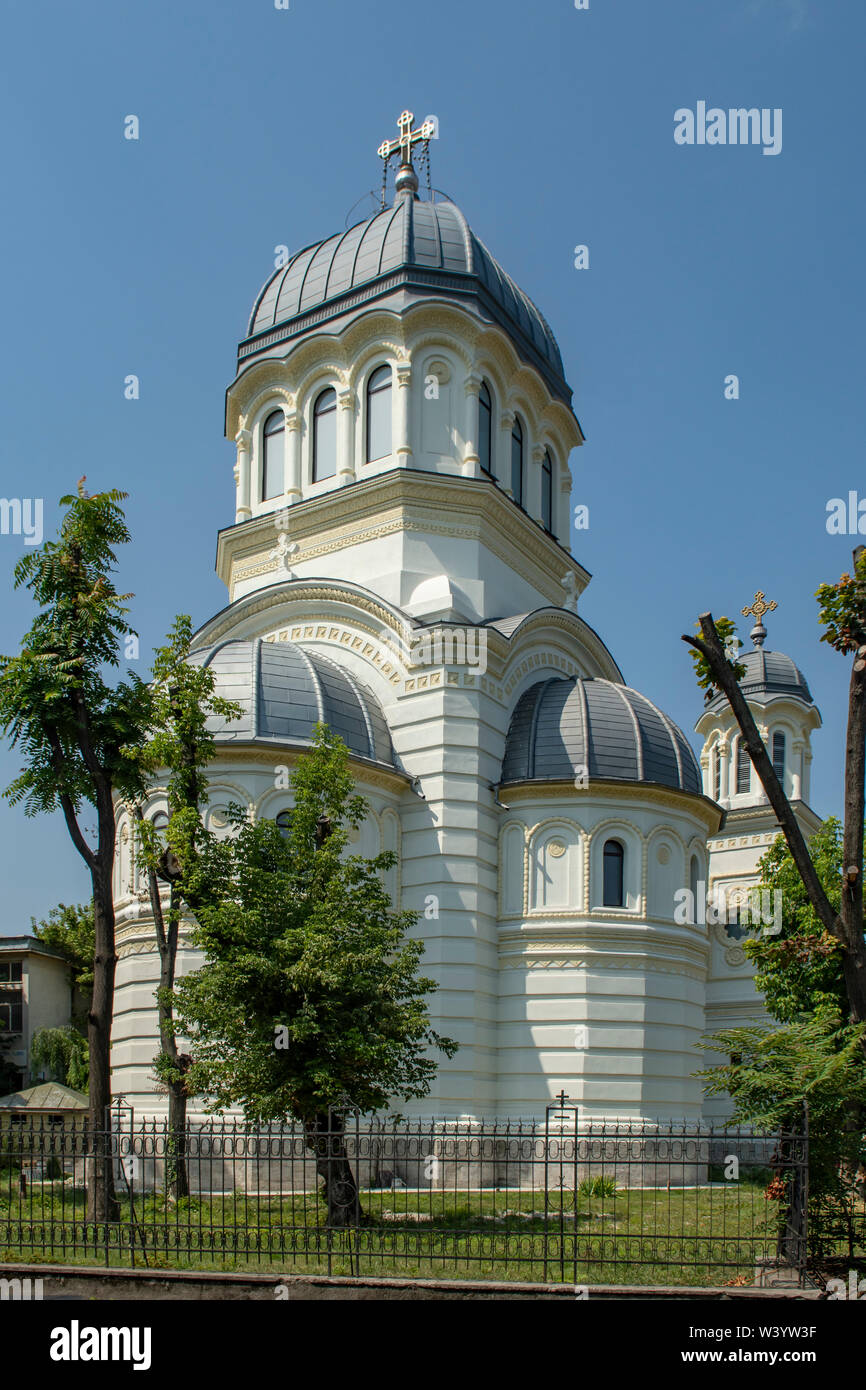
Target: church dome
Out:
[414,250]
[615,734]
[284,691]
[769,676]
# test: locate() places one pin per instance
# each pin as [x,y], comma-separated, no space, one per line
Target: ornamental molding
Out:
[692,803]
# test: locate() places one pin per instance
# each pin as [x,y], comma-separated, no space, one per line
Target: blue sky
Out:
[260,127]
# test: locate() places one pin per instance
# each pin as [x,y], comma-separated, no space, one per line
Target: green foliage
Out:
[63,1052]
[55,704]
[800,972]
[69,930]
[727,636]
[842,609]
[309,994]
[775,1070]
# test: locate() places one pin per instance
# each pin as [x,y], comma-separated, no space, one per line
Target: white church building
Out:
[399,566]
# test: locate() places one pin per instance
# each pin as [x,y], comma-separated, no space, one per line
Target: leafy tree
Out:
[309,999]
[63,1052]
[75,730]
[182,701]
[773,1072]
[800,971]
[842,612]
[69,931]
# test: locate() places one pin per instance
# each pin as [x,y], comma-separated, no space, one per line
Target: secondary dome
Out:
[769,676]
[284,690]
[610,730]
[413,250]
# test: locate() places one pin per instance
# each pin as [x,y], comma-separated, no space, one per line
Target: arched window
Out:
[547,491]
[284,823]
[779,756]
[325,435]
[517,461]
[694,878]
[614,855]
[485,428]
[159,821]
[273,455]
[744,767]
[379,414]
[717,774]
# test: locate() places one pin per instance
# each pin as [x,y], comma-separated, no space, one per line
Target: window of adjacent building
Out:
[273,455]
[379,414]
[547,491]
[485,428]
[517,462]
[10,972]
[779,756]
[325,435]
[614,856]
[744,767]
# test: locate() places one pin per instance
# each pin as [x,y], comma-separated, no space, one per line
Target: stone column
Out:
[506,424]
[562,505]
[532,483]
[725,776]
[796,772]
[402,422]
[294,492]
[471,457]
[346,438]
[243,440]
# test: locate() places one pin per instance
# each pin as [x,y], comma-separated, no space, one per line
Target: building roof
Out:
[284,691]
[429,249]
[22,944]
[769,676]
[48,1095]
[560,726]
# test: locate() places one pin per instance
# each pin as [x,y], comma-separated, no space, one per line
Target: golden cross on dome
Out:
[407,138]
[759,607]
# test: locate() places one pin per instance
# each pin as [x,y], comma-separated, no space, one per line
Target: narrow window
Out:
[717,774]
[547,491]
[694,876]
[517,462]
[325,436]
[379,414]
[613,865]
[273,455]
[779,756]
[485,428]
[744,768]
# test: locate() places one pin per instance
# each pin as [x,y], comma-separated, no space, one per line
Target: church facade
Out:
[399,566]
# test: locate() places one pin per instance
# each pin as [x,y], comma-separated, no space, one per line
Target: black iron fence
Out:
[561,1199]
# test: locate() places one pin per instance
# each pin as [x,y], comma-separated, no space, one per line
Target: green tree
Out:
[309,998]
[69,931]
[180,743]
[772,1072]
[74,730]
[842,614]
[63,1052]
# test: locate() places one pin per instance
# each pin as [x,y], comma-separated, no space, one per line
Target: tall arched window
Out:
[717,774]
[694,878]
[744,767]
[273,455]
[379,414]
[614,855]
[547,491]
[284,823]
[325,435]
[517,461]
[779,756]
[485,428]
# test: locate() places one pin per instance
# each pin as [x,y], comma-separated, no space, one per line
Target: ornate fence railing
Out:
[562,1199]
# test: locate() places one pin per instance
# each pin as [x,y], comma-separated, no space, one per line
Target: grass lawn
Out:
[708,1235]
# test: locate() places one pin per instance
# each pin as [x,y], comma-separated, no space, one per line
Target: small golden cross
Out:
[759,607]
[407,138]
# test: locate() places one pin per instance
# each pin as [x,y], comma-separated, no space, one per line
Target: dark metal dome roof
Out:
[284,690]
[610,730]
[769,676]
[428,246]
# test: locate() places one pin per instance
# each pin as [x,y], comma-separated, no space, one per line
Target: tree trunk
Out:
[102,1202]
[326,1139]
